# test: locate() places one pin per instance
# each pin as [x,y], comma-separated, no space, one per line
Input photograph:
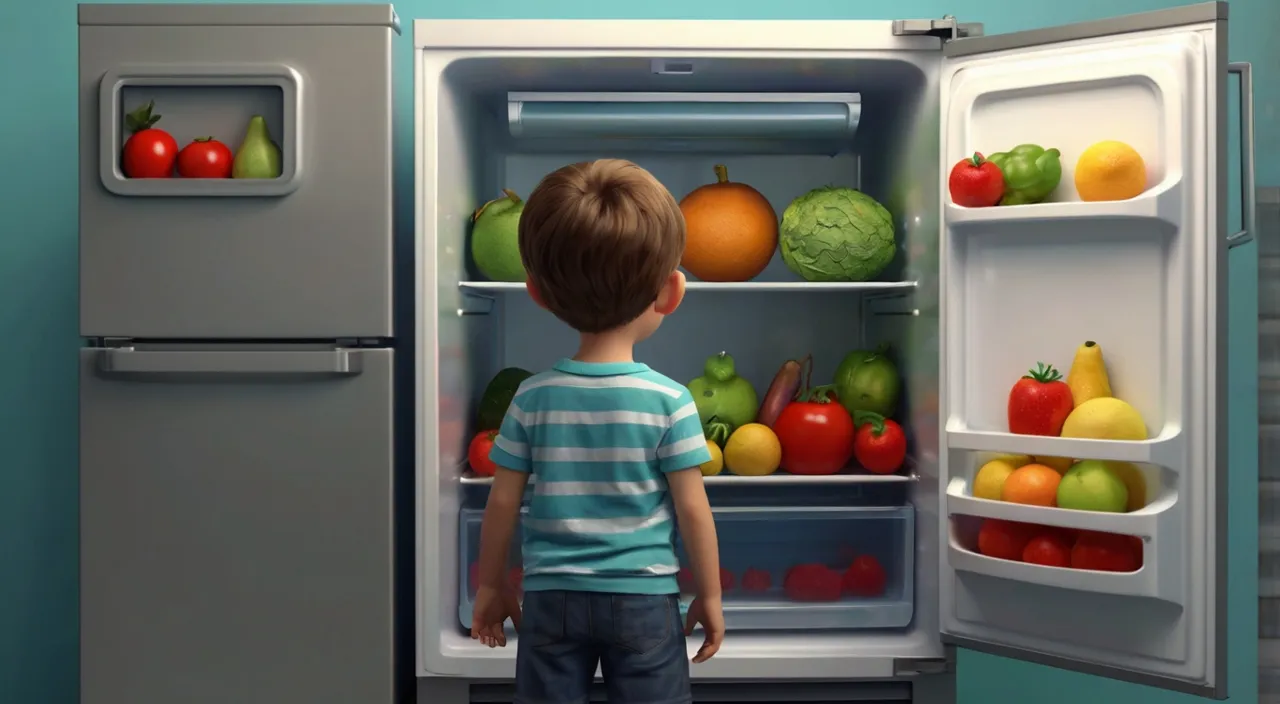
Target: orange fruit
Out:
[1110,170]
[1032,484]
[732,230]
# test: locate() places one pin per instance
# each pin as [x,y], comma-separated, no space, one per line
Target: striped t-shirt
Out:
[598,439]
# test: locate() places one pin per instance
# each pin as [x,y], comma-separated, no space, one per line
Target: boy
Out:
[615,448]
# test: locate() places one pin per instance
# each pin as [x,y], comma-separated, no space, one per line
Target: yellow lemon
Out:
[1059,464]
[989,482]
[1110,170]
[712,467]
[1134,480]
[1105,418]
[753,451]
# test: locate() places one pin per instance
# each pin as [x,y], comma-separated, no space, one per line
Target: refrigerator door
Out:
[306,255]
[236,525]
[1138,270]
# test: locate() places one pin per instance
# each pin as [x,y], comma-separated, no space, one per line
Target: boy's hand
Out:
[492,609]
[710,614]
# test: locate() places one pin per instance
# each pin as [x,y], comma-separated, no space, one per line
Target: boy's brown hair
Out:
[599,239]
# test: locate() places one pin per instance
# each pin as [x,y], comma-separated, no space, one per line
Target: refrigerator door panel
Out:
[236,526]
[1128,256]
[306,255]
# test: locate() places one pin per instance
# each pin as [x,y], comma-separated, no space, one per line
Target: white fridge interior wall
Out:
[483,329]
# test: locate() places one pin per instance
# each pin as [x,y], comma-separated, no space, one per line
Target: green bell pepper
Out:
[1031,172]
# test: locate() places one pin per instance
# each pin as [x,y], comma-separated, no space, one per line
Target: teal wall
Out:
[38,524]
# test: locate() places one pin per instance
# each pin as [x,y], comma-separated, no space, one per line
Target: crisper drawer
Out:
[789,568]
[299,247]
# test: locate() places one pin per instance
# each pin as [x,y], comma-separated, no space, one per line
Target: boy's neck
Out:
[605,348]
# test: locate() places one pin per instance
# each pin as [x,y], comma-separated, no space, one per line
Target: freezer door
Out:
[1117,276]
[307,255]
[236,526]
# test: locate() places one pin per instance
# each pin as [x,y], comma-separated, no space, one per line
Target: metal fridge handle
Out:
[130,361]
[1248,191]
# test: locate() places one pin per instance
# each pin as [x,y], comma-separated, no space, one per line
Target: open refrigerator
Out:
[973,298]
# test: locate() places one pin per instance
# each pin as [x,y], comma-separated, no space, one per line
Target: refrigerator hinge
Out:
[915,667]
[946,29]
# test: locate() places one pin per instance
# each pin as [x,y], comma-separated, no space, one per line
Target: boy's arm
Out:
[683,448]
[500,516]
[511,453]
[697,530]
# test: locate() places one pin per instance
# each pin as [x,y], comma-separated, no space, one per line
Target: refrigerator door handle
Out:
[127,361]
[1248,191]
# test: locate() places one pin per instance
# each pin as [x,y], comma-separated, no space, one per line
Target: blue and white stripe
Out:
[600,438]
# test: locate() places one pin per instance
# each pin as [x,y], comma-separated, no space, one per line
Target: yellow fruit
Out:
[1110,170]
[989,481]
[1088,378]
[1057,464]
[1105,419]
[712,467]
[753,451]
[1134,480]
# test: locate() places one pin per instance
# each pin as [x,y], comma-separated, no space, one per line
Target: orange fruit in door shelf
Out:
[1032,484]
[732,230]
[1110,170]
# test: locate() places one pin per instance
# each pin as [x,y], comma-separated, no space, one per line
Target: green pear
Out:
[258,156]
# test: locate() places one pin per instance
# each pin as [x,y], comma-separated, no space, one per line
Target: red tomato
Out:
[816,435]
[726,580]
[880,446]
[865,577]
[1105,552]
[754,580]
[1050,549]
[976,182]
[812,582]
[1004,539]
[206,157]
[478,453]
[1040,402]
[149,152]
[685,579]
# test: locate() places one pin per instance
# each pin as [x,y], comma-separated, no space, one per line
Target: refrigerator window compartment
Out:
[1269,348]
[964,556]
[1269,451]
[770,541]
[1055,103]
[1116,282]
[676,120]
[1269,285]
[198,101]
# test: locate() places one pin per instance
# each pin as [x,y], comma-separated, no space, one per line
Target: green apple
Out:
[1091,486]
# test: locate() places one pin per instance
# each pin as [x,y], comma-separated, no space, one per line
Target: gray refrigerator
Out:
[236,377]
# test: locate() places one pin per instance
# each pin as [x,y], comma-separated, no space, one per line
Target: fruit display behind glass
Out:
[151,152]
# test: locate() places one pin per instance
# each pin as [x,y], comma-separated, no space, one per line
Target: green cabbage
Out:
[836,234]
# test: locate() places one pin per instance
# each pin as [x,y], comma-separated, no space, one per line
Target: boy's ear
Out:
[532,288]
[671,295]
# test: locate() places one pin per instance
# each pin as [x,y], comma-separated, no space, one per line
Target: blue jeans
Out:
[636,639]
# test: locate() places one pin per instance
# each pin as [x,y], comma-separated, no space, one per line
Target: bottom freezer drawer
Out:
[785,568]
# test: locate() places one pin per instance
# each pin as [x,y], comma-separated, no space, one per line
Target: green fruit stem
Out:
[976,160]
[876,421]
[718,431]
[1043,373]
[722,173]
[203,139]
[141,118]
[508,194]
[720,367]
[818,394]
